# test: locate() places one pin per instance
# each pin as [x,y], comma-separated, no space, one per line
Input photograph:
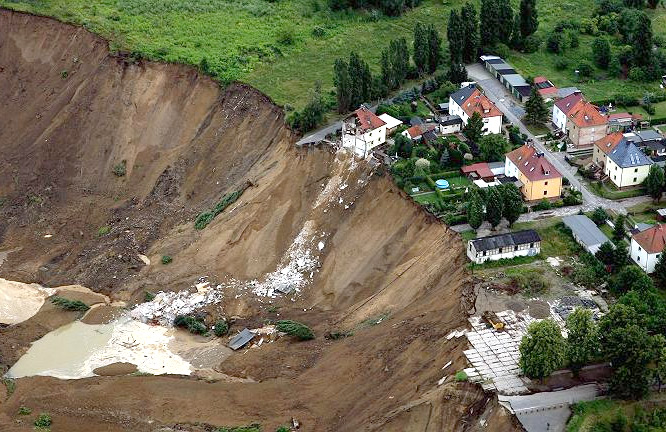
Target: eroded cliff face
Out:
[72,112]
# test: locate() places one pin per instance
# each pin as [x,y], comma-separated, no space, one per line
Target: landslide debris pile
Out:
[316,238]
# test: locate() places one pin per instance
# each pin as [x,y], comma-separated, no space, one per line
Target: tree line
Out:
[355,83]
[493,204]
[388,7]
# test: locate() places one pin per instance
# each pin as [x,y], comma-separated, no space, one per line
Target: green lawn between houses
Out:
[271,45]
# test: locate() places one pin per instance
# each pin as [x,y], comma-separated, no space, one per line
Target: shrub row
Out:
[204,218]
[71,305]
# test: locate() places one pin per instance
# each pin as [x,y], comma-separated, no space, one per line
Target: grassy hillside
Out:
[283,47]
[270,45]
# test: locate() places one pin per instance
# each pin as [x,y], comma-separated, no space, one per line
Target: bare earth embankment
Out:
[71,113]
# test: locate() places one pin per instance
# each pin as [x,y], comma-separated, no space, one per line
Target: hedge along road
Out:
[497,93]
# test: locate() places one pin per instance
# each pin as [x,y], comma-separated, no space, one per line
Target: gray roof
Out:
[505,240]
[524,90]
[566,91]
[661,212]
[626,155]
[646,135]
[463,94]
[516,80]
[495,165]
[450,120]
[585,230]
[241,339]
[415,121]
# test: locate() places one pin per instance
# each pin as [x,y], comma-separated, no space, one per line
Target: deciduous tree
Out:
[493,147]
[619,232]
[475,210]
[529,20]
[513,202]
[582,340]
[494,207]
[599,216]
[454,34]
[535,108]
[542,349]
[654,182]
[601,52]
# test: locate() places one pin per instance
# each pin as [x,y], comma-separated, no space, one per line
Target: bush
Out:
[530,283]
[204,218]
[296,329]
[192,324]
[71,305]
[286,36]
[561,64]
[24,411]
[318,31]
[221,327]
[461,376]
[102,231]
[43,421]
[120,169]
[166,259]
[544,204]
[585,69]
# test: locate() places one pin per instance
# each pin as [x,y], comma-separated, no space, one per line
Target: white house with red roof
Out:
[468,100]
[362,131]
[646,247]
[562,108]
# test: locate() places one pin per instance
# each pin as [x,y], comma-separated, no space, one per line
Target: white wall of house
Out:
[455,109]
[449,129]
[505,253]
[363,144]
[492,125]
[559,119]
[623,177]
[644,260]
[510,169]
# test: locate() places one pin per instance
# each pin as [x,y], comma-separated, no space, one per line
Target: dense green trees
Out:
[388,7]
[470,32]
[582,339]
[619,232]
[513,202]
[395,63]
[536,111]
[542,349]
[494,207]
[660,271]
[493,147]
[427,48]
[642,41]
[454,36]
[475,210]
[529,21]
[654,182]
[474,128]
[601,52]
[599,216]
[353,82]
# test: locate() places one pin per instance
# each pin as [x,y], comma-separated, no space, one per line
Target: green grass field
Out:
[271,45]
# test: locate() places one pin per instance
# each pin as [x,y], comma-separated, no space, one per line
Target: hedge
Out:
[453,219]
[657,120]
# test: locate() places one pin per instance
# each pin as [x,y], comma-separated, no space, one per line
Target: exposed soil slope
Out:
[71,112]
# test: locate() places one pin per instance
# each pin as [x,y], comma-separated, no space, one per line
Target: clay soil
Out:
[71,111]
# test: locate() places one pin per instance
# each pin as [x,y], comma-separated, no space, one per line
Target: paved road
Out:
[548,411]
[498,94]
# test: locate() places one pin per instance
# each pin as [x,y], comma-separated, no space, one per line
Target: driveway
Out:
[497,93]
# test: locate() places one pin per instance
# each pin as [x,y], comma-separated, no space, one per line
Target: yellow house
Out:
[539,177]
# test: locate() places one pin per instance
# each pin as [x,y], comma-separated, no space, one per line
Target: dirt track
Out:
[186,143]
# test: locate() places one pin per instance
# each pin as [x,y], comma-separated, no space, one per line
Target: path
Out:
[497,93]
[548,411]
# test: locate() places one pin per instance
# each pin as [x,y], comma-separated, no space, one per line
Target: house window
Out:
[531,245]
[546,183]
[638,257]
[470,246]
[635,179]
[500,250]
[639,249]
[484,253]
[545,193]
[636,170]
[515,248]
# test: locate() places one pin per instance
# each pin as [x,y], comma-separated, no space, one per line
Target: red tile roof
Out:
[418,130]
[624,115]
[481,168]
[478,102]
[546,91]
[584,114]
[566,104]
[367,120]
[533,164]
[609,142]
[653,239]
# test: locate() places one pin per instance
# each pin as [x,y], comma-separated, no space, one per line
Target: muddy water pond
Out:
[76,349]
[20,301]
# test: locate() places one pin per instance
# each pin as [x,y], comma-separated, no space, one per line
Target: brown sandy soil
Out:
[116,369]
[186,143]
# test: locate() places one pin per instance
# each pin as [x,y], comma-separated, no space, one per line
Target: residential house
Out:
[627,165]
[539,178]
[646,247]
[450,124]
[545,88]
[623,121]
[585,232]
[480,170]
[362,131]
[415,133]
[468,100]
[604,146]
[562,108]
[504,246]
[392,123]
[585,124]
[508,76]
[650,141]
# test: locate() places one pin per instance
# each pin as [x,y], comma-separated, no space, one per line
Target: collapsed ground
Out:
[106,159]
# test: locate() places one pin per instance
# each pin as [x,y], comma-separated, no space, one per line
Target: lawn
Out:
[554,242]
[608,190]
[598,414]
